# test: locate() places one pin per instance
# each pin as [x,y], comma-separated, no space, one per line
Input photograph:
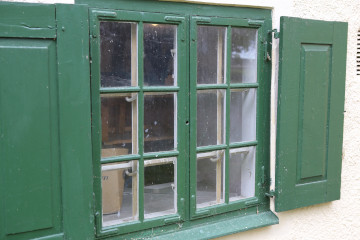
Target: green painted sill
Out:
[223,227]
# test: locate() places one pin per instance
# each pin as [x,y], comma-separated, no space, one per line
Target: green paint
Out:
[30,165]
[27,20]
[47,92]
[310,112]
[314,88]
[75,121]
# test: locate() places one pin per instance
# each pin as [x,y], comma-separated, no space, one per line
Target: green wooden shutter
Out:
[310,112]
[29,134]
[45,122]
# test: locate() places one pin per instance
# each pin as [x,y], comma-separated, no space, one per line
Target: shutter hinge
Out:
[276,33]
[270,194]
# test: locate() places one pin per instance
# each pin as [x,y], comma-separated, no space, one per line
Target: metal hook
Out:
[173,51]
[218,156]
[130,174]
[130,99]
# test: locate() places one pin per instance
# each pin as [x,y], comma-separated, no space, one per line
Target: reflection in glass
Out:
[210,117]
[119,192]
[159,54]
[242,173]
[118,135]
[209,188]
[159,187]
[159,121]
[210,54]
[243,55]
[243,115]
[118,47]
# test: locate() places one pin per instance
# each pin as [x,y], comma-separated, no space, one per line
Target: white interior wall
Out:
[334,220]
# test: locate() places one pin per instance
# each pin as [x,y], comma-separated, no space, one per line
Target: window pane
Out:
[159,187]
[210,54]
[243,55]
[118,43]
[119,134]
[243,115]
[159,54]
[242,173]
[209,178]
[119,192]
[210,117]
[159,121]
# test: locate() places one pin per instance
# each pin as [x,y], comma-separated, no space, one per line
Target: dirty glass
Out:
[210,54]
[159,54]
[118,48]
[159,187]
[119,192]
[116,124]
[242,173]
[210,117]
[209,178]
[159,121]
[243,115]
[243,67]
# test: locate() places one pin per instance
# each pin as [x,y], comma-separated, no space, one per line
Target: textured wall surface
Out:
[338,219]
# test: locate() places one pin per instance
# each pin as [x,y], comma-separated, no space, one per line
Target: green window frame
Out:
[138,93]
[186,89]
[227,86]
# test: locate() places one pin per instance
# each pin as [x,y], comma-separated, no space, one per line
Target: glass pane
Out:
[210,117]
[242,173]
[243,115]
[159,122]
[119,192]
[119,134]
[159,187]
[118,44]
[243,55]
[210,54]
[209,178]
[159,54]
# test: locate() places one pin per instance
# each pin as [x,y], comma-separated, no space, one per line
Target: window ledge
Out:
[224,227]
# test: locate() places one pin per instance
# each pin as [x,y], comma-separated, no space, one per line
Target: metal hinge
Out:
[276,33]
[270,194]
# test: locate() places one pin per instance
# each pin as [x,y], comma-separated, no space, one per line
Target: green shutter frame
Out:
[30,188]
[310,112]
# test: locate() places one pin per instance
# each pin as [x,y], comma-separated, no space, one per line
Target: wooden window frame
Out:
[188,216]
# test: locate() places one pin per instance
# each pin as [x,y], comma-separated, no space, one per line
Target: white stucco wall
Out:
[338,219]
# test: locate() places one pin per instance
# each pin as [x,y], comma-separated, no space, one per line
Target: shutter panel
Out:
[29,147]
[310,112]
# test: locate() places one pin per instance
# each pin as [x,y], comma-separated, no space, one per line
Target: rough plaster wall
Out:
[338,219]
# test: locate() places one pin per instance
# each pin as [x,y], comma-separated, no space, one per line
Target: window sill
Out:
[224,227]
